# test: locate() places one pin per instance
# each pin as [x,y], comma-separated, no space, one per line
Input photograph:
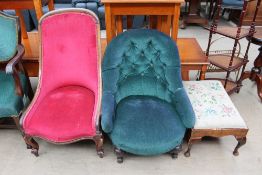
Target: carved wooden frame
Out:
[98,138]
[197,134]
[13,66]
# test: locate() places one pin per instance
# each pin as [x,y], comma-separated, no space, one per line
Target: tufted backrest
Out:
[141,62]
[8,36]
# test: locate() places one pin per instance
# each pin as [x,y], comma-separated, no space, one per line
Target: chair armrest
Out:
[108,112]
[13,62]
[184,108]
[11,69]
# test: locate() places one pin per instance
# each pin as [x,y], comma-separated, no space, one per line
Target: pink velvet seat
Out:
[66,106]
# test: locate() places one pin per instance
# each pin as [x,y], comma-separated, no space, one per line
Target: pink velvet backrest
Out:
[70,54]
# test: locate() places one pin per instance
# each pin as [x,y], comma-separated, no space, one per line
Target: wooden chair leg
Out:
[174,153]
[16,121]
[99,140]
[31,144]
[119,155]
[189,145]
[241,142]
[259,85]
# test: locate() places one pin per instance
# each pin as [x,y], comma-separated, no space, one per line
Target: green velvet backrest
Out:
[8,36]
[142,62]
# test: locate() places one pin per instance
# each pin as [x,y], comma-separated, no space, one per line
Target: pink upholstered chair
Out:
[66,107]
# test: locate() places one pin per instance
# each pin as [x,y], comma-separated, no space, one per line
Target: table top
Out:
[18,4]
[142,1]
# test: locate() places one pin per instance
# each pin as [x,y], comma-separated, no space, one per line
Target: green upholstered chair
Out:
[14,84]
[145,109]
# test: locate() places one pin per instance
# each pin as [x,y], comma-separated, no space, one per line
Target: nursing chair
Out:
[66,106]
[15,88]
[145,109]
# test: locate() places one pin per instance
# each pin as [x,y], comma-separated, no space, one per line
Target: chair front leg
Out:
[31,144]
[99,140]
[119,155]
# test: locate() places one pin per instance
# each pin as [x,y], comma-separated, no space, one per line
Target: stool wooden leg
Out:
[259,85]
[241,142]
[190,143]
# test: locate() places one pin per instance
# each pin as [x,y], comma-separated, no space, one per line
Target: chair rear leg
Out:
[99,140]
[31,144]
[119,155]
[174,153]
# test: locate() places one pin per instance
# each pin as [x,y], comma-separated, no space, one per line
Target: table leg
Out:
[119,24]
[159,23]
[175,21]
[129,22]
[152,22]
[38,8]
[193,15]
[22,24]
[185,75]
[109,26]
[51,5]
[202,75]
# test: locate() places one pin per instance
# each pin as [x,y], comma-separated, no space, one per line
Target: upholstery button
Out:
[151,64]
[142,74]
[158,77]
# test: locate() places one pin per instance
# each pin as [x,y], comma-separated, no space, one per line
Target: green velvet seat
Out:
[131,116]
[14,84]
[145,109]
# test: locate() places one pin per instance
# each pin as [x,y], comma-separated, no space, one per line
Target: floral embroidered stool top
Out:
[212,105]
[215,113]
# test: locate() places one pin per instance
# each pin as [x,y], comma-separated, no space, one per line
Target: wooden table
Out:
[167,12]
[19,5]
[193,14]
[256,73]
[191,55]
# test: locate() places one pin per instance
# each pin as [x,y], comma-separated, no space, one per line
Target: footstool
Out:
[216,115]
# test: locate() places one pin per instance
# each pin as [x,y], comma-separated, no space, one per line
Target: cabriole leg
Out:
[31,144]
[189,145]
[99,140]
[241,142]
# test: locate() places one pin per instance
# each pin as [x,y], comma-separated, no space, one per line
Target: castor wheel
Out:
[174,156]
[187,154]
[100,153]
[35,152]
[120,160]
[28,146]
[235,153]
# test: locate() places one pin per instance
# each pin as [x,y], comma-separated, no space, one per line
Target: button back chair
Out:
[66,106]
[145,109]
[15,88]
